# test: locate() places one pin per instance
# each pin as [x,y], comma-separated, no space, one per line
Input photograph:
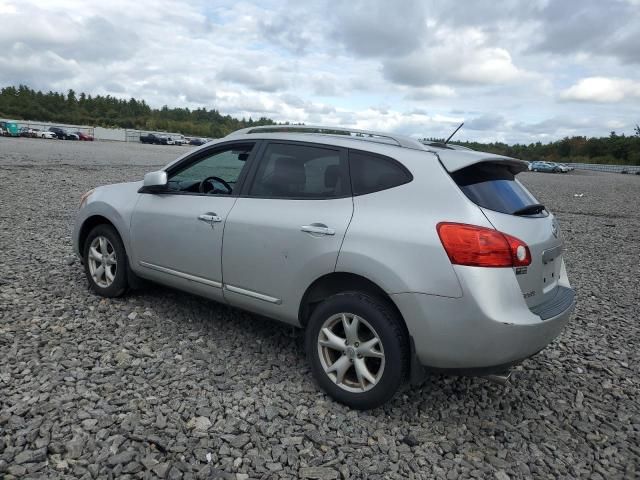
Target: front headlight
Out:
[83,198]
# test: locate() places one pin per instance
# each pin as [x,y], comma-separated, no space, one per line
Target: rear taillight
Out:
[482,247]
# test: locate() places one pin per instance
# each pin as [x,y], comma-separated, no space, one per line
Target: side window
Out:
[372,173]
[300,171]
[215,173]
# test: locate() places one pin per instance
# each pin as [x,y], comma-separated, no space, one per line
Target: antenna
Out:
[454,132]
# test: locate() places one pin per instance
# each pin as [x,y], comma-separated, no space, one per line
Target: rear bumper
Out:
[482,333]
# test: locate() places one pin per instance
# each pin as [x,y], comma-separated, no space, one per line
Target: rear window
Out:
[493,187]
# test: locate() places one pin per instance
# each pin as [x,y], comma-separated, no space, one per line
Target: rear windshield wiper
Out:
[530,209]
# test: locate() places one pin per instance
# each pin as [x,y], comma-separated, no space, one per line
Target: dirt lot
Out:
[161,383]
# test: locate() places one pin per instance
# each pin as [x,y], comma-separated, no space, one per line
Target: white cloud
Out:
[374,29]
[454,56]
[602,90]
[430,92]
[396,66]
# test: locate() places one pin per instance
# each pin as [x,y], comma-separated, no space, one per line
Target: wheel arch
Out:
[97,219]
[89,224]
[337,282]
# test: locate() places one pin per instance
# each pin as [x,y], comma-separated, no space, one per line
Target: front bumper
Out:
[485,333]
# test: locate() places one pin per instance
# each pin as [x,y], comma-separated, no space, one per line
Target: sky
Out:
[513,71]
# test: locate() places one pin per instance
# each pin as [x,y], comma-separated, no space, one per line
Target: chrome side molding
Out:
[251,293]
[177,273]
[212,283]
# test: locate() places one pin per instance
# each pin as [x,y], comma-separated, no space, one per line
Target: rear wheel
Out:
[105,261]
[357,349]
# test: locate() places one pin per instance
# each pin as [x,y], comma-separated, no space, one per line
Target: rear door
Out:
[512,209]
[287,227]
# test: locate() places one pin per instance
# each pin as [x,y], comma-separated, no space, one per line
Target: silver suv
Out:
[396,256]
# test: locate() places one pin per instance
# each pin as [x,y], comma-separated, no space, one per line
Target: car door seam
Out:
[346,230]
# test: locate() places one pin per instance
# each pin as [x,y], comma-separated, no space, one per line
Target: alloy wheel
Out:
[351,352]
[102,262]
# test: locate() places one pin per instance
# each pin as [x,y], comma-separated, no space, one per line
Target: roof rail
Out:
[367,135]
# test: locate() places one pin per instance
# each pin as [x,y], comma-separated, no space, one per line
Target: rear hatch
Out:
[490,183]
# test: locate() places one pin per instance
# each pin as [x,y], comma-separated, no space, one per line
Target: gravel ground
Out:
[164,384]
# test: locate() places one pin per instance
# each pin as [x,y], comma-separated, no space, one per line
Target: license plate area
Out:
[551,262]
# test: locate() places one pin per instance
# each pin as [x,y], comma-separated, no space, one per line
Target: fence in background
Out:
[606,168]
[99,133]
[46,125]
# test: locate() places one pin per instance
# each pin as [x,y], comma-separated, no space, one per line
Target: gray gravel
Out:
[164,384]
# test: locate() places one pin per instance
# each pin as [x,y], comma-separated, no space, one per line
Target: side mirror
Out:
[154,182]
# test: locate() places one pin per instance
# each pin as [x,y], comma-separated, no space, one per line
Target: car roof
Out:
[452,157]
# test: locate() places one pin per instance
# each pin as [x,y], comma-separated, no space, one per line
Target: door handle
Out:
[209,218]
[318,229]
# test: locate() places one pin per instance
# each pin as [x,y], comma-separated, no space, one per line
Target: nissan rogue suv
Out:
[395,256]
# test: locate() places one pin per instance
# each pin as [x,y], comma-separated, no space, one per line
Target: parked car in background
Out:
[63,134]
[84,136]
[10,129]
[548,167]
[148,138]
[564,168]
[58,132]
[197,141]
[178,139]
[46,134]
[154,139]
[329,232]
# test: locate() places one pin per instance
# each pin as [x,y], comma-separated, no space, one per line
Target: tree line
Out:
[614,149]
[24,103]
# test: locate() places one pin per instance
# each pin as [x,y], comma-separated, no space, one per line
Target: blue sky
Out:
[514,71]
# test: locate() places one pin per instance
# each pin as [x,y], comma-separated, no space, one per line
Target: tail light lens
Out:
[482,247]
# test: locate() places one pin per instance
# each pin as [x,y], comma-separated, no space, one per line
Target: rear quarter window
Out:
[493,187]
[373,173]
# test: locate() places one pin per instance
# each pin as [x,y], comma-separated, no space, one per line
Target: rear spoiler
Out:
[454,160]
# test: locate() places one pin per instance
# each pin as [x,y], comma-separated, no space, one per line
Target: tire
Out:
[113,285]
[375,319]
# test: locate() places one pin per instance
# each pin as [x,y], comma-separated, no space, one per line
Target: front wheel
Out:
[357,349]
[105,262]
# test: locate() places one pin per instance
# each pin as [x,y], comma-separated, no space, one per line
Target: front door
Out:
[177,234]
[287,227]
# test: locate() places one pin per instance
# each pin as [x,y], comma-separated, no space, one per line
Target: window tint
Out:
[299,171]
[225,164]
[494,187]
[372,173]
